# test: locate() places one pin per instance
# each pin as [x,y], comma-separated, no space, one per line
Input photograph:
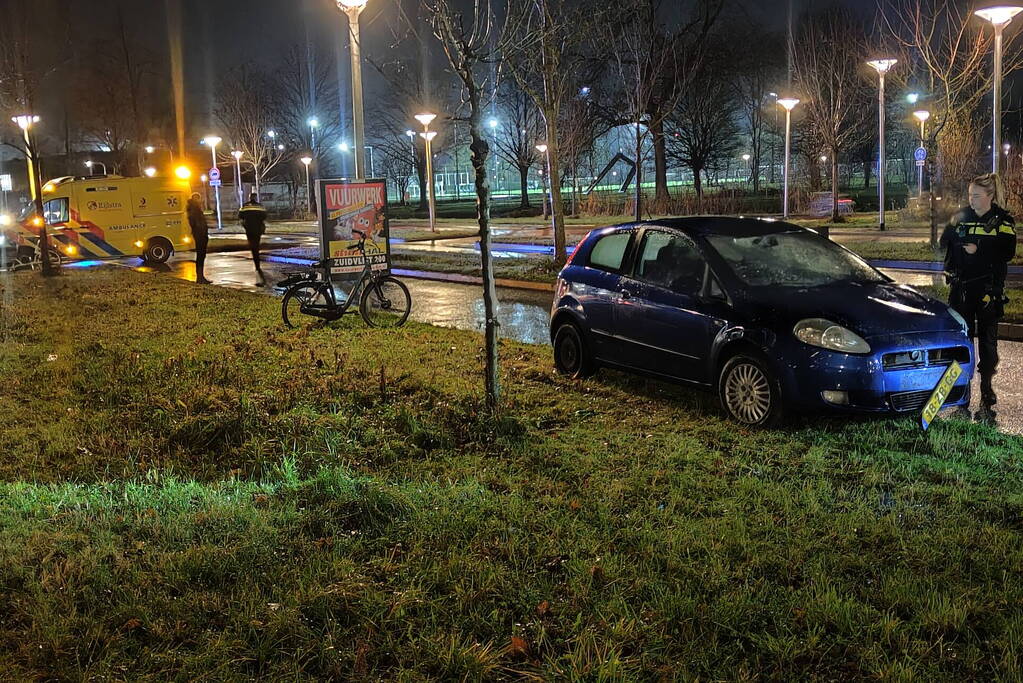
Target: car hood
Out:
[870,309]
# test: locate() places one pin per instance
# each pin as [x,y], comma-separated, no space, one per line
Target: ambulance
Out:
[95,217]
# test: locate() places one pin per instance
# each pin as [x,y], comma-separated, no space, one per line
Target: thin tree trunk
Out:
[698,188]
[554,177]
[524,187]
[480,150]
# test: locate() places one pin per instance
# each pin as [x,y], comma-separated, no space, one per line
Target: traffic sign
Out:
[920,162]
[215,183]
[920,153]
[214,175]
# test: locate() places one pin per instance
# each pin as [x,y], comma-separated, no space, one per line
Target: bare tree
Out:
[703,127]
[247,109]
[828,59]
[950,48]
[306,87]
[469,44]
[653,60]
[545,52]
[519,128]
[757,71]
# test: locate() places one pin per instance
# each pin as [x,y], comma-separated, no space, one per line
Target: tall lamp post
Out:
[881,66]
[788,104]
[426,119]
[493,131]
[749,168]
[921,115]
[546,169]
[238,175]
[353,8]
[306,160]
[999,17]
[212,141]
[25,122]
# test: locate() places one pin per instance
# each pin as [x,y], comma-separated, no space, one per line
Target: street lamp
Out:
[205,190]
[89,164]
[150,172]
[999,17]
[306,160]
[238,175]
[542,149]
[788,104]
[921,115]
[913,97]
[25,122]
[881,66]
[150,149]
[428,135]
[212,141]
[493,131]
[353,8]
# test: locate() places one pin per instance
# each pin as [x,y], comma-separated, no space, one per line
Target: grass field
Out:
[190,491]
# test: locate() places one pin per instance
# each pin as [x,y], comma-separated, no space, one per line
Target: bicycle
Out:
[384,300]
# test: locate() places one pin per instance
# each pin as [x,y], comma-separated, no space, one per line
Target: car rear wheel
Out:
[158,251]
[748,391]
[571,355]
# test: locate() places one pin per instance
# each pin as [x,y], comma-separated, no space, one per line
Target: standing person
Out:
[979,243]
[253,217]
[200,235]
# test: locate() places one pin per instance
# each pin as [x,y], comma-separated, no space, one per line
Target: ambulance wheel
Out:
[157,251]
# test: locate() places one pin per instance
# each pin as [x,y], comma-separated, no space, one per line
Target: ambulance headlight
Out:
[959,319]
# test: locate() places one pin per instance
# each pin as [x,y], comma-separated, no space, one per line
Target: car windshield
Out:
[791,259]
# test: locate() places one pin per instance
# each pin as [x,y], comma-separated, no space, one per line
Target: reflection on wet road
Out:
[523,313]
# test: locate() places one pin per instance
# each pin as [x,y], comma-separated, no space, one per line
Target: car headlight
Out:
[829,335]
[959,319]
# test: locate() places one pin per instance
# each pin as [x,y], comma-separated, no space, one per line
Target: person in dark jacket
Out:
[200,235]
[979,243]
[253,218]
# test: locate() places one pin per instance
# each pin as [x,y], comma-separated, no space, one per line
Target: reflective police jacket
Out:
[994,233]
[253,217]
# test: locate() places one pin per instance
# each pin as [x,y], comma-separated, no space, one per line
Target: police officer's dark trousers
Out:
[982,319]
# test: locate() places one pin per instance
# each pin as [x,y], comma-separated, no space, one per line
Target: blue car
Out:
[771,316]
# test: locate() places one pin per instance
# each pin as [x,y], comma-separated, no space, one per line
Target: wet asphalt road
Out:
[524,313]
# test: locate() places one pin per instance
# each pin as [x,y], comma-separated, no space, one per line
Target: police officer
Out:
[253,218]
[200,235]
[979,243]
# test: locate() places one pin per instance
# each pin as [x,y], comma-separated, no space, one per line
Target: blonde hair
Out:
[992,183]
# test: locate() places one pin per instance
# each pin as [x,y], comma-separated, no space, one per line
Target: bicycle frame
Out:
[333,310]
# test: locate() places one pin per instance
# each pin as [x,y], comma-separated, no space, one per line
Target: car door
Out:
[661,318]
[596,288]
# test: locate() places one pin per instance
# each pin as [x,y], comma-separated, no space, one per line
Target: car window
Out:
[609,251]
[793,259]
[55,211]
[670,261]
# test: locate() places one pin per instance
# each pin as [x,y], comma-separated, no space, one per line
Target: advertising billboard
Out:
[349,205]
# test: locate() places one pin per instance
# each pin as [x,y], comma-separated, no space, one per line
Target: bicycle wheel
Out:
[303,294]
[385,302]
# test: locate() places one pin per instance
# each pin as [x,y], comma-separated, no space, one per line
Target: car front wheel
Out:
[571,355]
[748,391]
